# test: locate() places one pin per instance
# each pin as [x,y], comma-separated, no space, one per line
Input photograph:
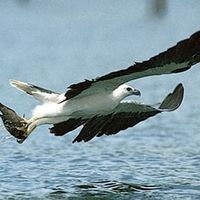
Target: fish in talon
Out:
[14,124]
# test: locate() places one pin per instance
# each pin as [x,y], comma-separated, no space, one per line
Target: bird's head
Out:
[124,91]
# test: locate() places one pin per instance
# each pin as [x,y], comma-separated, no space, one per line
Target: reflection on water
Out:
[114,186]
[102,190]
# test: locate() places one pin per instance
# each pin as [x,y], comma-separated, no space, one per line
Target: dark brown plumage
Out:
[185,51]
[14,124]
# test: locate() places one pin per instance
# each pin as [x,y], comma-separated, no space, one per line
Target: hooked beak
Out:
[136,92]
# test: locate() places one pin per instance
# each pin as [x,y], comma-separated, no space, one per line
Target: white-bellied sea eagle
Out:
[98,104]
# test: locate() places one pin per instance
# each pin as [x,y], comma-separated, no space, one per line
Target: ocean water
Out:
[56,43]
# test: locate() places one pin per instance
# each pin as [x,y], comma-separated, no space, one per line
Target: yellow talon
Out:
[22,128]
[27,129]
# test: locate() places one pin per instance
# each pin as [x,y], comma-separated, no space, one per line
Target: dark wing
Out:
[127,114]
[66,126]
[176,59]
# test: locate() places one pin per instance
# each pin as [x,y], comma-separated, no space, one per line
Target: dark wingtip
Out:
[75,140]
[173,100]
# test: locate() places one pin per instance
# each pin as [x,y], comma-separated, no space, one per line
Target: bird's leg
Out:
[27,129]
[25,123]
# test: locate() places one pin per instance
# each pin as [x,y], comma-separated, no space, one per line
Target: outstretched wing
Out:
[176,59]
[127,114]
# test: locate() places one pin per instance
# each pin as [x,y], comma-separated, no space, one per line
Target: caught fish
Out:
[14,124]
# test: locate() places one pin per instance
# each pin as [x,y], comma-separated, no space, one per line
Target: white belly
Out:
[85,107]
[91,105]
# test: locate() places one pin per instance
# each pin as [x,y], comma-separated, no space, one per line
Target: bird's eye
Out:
[129,89]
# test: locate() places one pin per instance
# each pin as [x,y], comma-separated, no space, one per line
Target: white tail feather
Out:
[21,86]
[41,94]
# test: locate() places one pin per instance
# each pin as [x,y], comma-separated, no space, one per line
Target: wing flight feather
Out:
[176,59]
[126,114]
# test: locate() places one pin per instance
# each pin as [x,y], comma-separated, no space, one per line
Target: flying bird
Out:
[98,104]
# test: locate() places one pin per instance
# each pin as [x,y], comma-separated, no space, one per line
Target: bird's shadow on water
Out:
[104,190]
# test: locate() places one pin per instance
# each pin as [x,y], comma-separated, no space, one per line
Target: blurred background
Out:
[56,43]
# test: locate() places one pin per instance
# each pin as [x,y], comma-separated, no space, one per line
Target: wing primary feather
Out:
[86,130]
[176,59]
[66,126]
[173,100]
